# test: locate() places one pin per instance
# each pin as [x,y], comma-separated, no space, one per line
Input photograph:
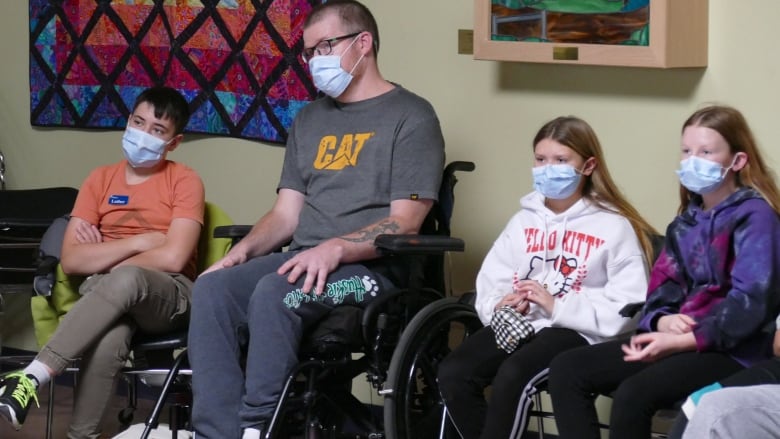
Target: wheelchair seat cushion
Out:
[338,333]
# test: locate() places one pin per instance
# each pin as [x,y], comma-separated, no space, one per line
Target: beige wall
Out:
[489,112]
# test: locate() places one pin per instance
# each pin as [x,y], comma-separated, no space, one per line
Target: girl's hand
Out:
[676,324]
[536,293]
[517,301]
[652,346]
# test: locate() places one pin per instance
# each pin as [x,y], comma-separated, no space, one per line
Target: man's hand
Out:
[234,257]
[676,324]
[315,263]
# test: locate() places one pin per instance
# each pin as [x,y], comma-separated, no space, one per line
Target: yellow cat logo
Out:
[334,155]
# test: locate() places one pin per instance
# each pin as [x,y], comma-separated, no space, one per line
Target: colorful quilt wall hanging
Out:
[235,61]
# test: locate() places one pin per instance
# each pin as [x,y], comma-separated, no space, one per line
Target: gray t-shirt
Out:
[351,160]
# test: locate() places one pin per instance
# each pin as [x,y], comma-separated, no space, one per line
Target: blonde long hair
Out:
[733,127]
[599,187]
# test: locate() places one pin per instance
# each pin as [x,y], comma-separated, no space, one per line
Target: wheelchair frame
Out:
[328,408]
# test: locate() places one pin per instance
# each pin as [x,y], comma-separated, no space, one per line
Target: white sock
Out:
[251,433]
[39,371]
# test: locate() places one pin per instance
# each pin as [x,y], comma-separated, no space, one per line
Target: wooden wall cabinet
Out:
[660,33]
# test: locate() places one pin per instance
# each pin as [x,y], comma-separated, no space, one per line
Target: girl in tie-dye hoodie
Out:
[713,294]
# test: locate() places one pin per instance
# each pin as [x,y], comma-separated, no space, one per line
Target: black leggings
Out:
[478,363]
[640,388]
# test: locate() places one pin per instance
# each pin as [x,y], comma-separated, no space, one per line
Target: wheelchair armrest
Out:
[233,232]
[417,244]
[630,309]
[459,166]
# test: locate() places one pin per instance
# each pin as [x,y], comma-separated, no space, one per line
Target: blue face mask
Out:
[142,150]
[327,74]
[556,182]
[701,175]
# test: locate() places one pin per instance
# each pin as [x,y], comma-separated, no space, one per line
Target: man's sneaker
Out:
[251,433]
[255,433]
[17,391]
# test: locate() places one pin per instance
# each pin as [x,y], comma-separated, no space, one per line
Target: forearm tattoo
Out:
[387,226]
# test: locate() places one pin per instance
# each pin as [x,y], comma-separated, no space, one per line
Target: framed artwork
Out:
[633,33]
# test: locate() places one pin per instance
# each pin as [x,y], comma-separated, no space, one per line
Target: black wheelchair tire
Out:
[412,407]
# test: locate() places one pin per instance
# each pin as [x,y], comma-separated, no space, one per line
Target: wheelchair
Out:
[317,401]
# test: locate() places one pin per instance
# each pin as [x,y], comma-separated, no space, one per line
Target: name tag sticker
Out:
[118,200]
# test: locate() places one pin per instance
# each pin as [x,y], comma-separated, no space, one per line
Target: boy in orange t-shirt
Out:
[134,231]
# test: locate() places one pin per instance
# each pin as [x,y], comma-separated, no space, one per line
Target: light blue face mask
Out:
[701,175]
[556,182]
[327,74]
[142,150]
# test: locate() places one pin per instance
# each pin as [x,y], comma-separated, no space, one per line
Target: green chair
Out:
[48,311]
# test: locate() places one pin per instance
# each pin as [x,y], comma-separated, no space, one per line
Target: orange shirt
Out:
[121,210]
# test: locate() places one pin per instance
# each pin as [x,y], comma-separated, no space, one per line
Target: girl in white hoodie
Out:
[568,261]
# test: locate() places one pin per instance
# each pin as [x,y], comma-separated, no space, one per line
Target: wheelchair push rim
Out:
[413,407]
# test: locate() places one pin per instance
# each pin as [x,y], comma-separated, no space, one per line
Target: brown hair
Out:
[733,127]
[168,103]
[599,187]
[354,15]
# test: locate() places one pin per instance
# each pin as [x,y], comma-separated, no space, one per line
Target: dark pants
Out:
[478,363]
[640,388]
[253,299]
[766,372]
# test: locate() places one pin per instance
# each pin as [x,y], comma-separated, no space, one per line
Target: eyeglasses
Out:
[324,47]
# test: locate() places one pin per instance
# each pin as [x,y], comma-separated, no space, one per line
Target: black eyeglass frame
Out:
[308,52]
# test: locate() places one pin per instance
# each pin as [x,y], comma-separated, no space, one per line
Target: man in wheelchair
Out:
[366,159]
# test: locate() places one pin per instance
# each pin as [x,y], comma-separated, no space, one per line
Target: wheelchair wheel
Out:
[412,406]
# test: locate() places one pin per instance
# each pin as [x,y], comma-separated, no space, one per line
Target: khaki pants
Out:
[99,328]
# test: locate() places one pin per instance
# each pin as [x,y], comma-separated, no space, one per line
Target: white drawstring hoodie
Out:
[588,258]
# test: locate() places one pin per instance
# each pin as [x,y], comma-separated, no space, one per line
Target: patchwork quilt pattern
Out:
[235,61]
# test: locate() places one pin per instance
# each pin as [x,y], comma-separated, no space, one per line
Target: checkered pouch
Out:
[511,328]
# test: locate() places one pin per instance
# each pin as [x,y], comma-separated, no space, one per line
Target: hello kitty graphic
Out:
[562,280]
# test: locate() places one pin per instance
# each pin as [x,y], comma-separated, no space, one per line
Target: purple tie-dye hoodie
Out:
[721,267]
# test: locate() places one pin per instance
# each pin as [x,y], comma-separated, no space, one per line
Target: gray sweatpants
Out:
[252,300]
[737,412]
[99,329]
